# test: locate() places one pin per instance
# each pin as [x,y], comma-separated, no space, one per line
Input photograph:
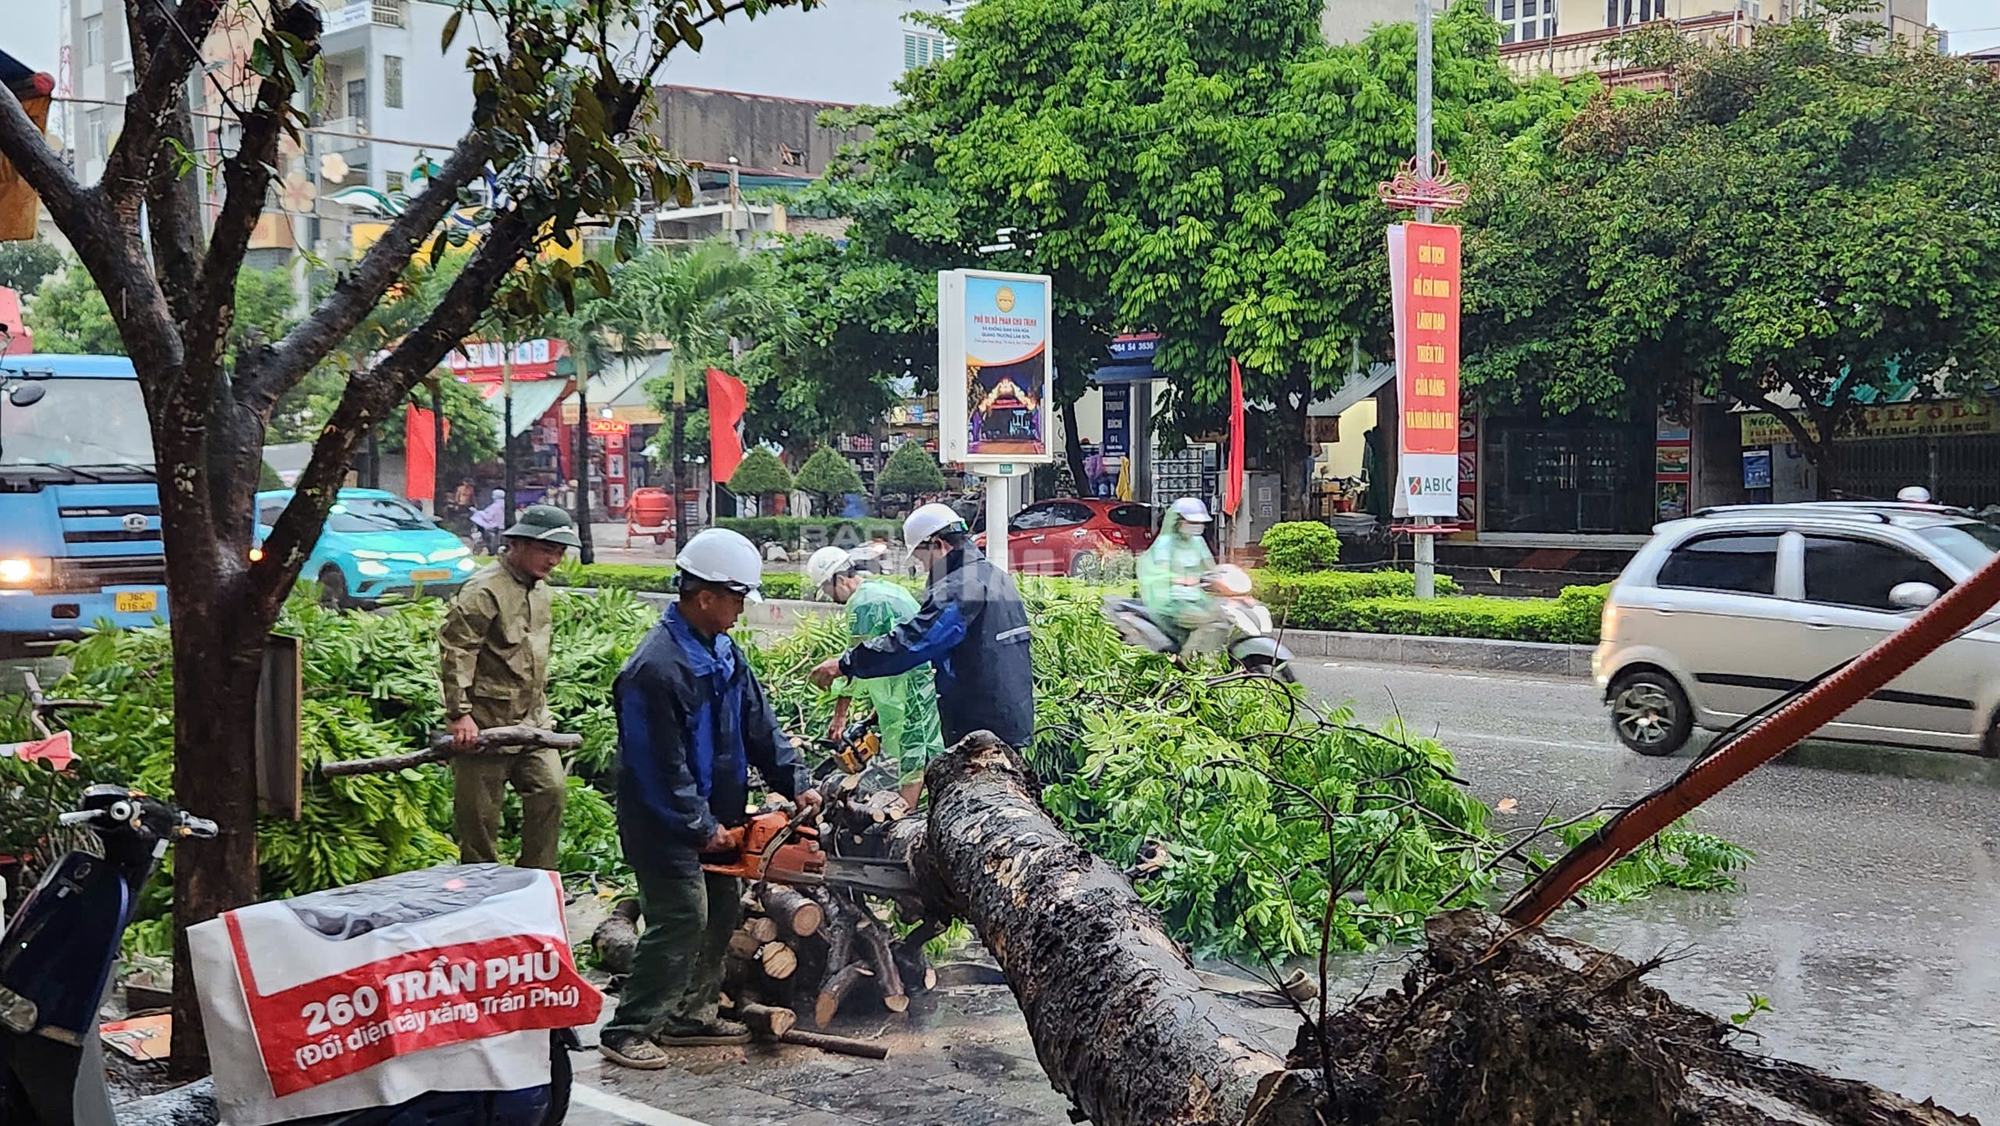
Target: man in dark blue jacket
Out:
[972,629]
[692,720]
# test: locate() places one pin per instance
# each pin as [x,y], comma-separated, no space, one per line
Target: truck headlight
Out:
[16,570]
[370,567]
[465,564]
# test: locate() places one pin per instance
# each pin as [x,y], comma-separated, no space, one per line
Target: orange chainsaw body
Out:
[777,849]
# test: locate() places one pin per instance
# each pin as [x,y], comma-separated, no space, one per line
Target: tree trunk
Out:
[1073,449]
[1499,1027]
[1289,442]
[217,632]
[1119,1020]
[586,553]
[677,473]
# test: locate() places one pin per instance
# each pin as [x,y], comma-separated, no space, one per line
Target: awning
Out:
[532,400]
[1353,391]
[623,390]
[1121,375]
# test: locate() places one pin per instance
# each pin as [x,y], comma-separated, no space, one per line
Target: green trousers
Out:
[677,969]
[479,789]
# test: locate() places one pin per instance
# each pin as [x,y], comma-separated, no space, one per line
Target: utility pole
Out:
[1426,541]
[507,424]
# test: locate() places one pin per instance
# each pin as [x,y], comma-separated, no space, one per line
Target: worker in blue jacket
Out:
[692,720]
[972,629]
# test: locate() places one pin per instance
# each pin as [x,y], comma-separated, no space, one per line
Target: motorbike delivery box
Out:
[440,979]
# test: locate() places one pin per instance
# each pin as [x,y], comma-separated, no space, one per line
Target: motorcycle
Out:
[56,962]
[1236,623]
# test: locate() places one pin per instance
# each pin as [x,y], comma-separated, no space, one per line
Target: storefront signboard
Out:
[1424,276]
[1933,418]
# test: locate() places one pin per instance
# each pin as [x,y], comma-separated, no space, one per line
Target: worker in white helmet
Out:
[905,704]
[972,629]
[692,720]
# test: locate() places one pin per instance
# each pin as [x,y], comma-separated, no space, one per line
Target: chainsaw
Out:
[781,848]
[856,744]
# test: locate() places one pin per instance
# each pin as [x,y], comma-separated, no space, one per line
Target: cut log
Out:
[743,944]
[834,990]
[846,1046]
[616,939]
[794,913]
[767,1022]
[1500,1026]
[762,929]
[778,960]
[491,741]
[1119,1020]
[873,939]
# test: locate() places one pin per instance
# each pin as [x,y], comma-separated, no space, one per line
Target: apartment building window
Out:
[93,128]
[1623,13]
[357,98]
[1524,20]
[920,49]
[1752,8]
[392,81]
[93,40]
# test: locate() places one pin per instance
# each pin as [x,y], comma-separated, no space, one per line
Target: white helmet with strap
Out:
[718,555]
[927,521]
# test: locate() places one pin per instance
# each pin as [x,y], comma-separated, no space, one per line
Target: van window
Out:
[1739,564]
[1844,572]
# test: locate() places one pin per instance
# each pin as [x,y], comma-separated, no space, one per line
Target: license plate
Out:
[136,601]
[431,574]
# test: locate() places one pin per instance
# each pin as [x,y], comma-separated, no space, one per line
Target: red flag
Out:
[727,399]
[1232,487]
[419,453]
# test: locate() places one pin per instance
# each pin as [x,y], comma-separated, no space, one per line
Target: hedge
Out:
[1571,618]
[1300,546]
[658,578]
[1300,600]
[795,532]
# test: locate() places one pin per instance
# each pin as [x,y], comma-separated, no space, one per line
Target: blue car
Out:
[375,544]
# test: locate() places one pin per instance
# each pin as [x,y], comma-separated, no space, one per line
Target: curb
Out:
[1540,658]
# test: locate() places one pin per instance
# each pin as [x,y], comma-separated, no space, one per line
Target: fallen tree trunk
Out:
[1500,1027]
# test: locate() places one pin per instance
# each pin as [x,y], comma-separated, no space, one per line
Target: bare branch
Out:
[165,50]
[270,372]
[173,217]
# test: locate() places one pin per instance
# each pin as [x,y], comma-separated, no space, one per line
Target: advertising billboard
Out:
[995,368]
[1424,274]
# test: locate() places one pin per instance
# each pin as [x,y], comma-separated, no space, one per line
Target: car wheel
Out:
[1990,747]
[333,589]
[1265,665]
[1650,713]
[1086,565]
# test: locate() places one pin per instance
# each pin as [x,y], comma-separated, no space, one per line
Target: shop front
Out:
[1950,447]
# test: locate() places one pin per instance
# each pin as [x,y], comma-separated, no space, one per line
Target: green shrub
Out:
[1305,601]
[1566,620]
[810,532]
[828,475]
[910,470]
[1300,546]
[760,474]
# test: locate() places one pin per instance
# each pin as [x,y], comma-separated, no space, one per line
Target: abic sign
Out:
[1424,272]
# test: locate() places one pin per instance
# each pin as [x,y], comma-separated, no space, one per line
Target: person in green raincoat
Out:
[1170,571]
[905,704]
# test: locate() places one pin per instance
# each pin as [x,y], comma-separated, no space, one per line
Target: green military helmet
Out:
[545,522]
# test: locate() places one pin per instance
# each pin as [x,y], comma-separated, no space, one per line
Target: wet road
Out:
[1871,918]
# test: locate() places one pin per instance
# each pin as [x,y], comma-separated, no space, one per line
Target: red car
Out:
[1069,536]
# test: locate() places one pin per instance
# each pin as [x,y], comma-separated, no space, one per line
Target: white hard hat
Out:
[928,521]
[1914,494]
[1191,510]
[828,564]
[718,555]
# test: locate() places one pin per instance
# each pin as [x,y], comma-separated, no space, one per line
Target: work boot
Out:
[633,1050]
[715,1032]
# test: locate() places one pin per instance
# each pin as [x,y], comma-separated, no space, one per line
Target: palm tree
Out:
[700,302]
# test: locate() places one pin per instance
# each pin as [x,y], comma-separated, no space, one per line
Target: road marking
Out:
[1451,673]
[597,1098]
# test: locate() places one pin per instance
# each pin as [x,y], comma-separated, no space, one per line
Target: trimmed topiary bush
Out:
[1300,546]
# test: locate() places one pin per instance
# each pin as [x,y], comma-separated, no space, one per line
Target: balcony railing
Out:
[1567,56]
[336,16]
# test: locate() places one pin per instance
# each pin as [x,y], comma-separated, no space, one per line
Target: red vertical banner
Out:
[419,453]
[1232,489]
[1424,268]
[727,400]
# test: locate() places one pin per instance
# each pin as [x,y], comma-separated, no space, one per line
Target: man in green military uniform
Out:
[905,704]
[495,666]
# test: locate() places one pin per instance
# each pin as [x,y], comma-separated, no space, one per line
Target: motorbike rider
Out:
[905,704]
[1170,570]
[692,719]
[972,628]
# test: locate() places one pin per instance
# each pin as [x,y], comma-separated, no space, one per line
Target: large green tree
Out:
[24,265]
[1799,226]
[1204,169]
[568,77]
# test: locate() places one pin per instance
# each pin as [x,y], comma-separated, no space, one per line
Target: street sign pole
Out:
[1426,542]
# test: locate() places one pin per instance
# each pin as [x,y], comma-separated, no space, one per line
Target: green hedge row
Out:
[1298,599]
[1571,618]
[658,578]
[796,532]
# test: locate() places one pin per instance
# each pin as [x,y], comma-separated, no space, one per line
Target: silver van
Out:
[1727,610]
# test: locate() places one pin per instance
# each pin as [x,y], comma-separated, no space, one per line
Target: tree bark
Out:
[679,470]
[1290,444]
[587,551]
[1119,1020]
[798,916]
